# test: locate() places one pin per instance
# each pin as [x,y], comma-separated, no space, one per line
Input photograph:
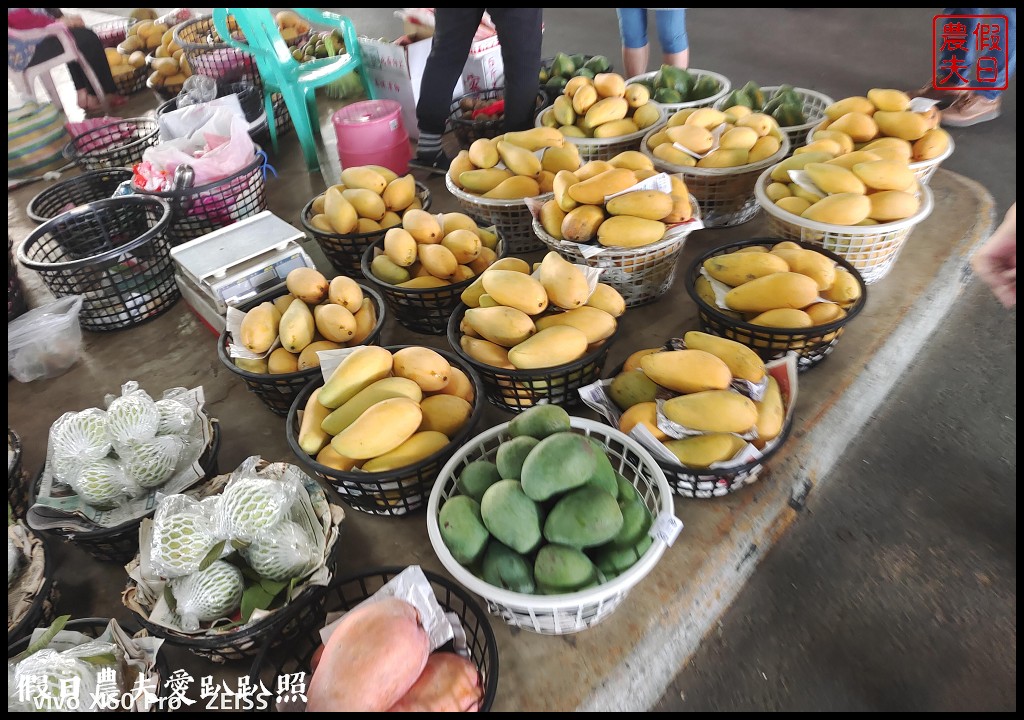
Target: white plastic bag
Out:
[46,341]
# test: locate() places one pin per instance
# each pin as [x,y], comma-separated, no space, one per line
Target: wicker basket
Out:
[466,131]
[346,251]
[131,83]
[572,612]
[871,249]
[607,148]
[724,86]
[115,253]
[923,169]
[114,145]
[511,218]
[640,275]
[422,310]
[813,103]
[392,492]
[73,192]
[119,544]
[726,195]
[279,391]
[812,344]
[518,390]
[345,593]
[44,605]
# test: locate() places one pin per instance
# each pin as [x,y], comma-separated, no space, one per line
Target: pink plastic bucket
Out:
[371,133]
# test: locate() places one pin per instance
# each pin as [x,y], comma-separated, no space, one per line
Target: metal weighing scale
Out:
[237,264]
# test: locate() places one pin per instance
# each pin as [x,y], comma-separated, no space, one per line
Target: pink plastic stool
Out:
[371,133]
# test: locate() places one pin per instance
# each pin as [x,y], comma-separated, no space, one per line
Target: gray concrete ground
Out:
[897,588]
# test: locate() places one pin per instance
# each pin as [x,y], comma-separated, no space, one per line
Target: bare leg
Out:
[679,59]
[634,60]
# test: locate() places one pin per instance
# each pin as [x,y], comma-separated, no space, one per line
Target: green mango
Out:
[631,388]
[789,114]
[667,95]
[561,462]
[476,477]
[462,529]
[560,569]
[614,561]
[584,518]
[556,81]
[704,88]
[512,454]
[665,77]
[754,92]
[544,75]
[539,422]
[585,72]
[511,517]
[578,60]
[737,97]
[562,66]
[598,64]
[604,475]
[505,568]
[636,521]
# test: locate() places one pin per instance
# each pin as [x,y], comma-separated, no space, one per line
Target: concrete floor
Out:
[895,527]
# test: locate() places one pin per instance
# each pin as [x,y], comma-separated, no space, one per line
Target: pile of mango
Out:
[728,139]
[780,287]
[565,67]
[784,105]
[143,36]
[368,199]
[430,251]
[602,107]
[855,122]
[121,64]
[672,85]
[507,167]
[578,211]
[169,65]
[547,514]
[696,384]
[519,322]
[315,315]
[381,411]
[857,187]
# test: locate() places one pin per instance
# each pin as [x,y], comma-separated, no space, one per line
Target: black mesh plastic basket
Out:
[549,92]
[44,604]
[196,211]
[812,344]
[94,627]
[347,592]
[114,145]
[115,253]
[79,190]
[346,251]
[120,544]
[250,97]
[17,490]
[392,492]
[467,129]
[132,82]
[519,390]
[422,310]
[279,391]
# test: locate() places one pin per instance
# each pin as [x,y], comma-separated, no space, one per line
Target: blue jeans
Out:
[671,28]
[1004,61]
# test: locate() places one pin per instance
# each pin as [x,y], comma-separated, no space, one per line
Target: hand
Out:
[995,262]
[73,21]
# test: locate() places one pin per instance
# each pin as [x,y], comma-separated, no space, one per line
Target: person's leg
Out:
[943,57]
[675,46]
[91,48]
[453,35]
[520,35]
[633,30]
[1004,62]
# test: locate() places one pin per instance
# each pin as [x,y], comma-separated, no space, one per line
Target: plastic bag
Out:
[197,89]
[186,121]
[252,505]
[183,535]
[131,418]
[45,342]
[219,148]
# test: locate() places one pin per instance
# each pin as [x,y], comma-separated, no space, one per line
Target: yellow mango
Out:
[628,231]
[383,389]
[482,181]
[516,290]
[400,247]
[486,352]
[930,145]
[682,209]
[566,158]
[297,327]
[687,371]
[645,413]
[610,85]
[737,268]
[519,160]
[831,147]
[780,173]
[282,362]
[551,218]
[465,245]
[693,137]
[779,290]
[535,138]
[423,282]
[839,209]
[861,127]
[390,220]
[681,116]
[307,284]
[718,411]
[636,95]
[763,149]
[607,298]
[896,145]
[445,413]
[453,221]
[606,110]
[783,318]
[804,194]
[332,459]
[334,322]
[844,141]
[884,174]
[308,358]
[418,447]
[762,124]
[365,225]
[596,324]
[546,181]
[560,187]
[724,159]
[583,99]
[776,191]
[312,438]
[582,223]
[367,203]
[380,429]
[501,325]
[795,205]
[341,215]
[740,137]
[834,179]
[460,164]
[459,385]
[646,115]
[705,117]
[771,413]
[853,158]
[259,328]
[905,125]
[633,361]
[516,187]
[702,451]
[856,103]
[845,290]
[889,100]
[423,226]
[366,321]
[364,177]
[550,347]
[891,205]
[565,284]
[812,264]
[742,362]
[575,83]
[563,111]
[674,156]
[362,367]
[399,193]
[632,160]
[426,367]
[616,128]
[824,313]
[594,190]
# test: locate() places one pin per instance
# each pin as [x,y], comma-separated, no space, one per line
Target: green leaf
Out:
[254,598]
[44,640]
[239,545]
[213,555]
[169,598]
[104,659]
[274,587]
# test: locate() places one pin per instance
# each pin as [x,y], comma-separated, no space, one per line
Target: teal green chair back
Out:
[281,73]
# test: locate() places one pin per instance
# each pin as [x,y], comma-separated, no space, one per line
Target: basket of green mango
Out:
[676,88]
[557,71]
[797,110]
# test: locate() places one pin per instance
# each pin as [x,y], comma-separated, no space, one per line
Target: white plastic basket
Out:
[814,104]
[724,86]
[922,169]
[641,275]
[572,612]
[607,148]
[726,195]
[872,249]
[512,218]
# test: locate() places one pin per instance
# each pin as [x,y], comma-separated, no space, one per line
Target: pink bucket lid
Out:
[367,111]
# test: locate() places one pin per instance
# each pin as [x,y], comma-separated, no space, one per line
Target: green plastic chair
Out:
[281,73]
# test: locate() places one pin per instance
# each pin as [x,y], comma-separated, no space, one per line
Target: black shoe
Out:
[436,162]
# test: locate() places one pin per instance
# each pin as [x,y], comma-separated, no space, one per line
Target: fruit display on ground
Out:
[672,85]
[519,321]
[514,165]
[709,138]
[380,411]
[784,104]
[434,251]
[369,198]
[601,108]
[549,515]
[168,63]
[563,68]
[124,64]
[580,212]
